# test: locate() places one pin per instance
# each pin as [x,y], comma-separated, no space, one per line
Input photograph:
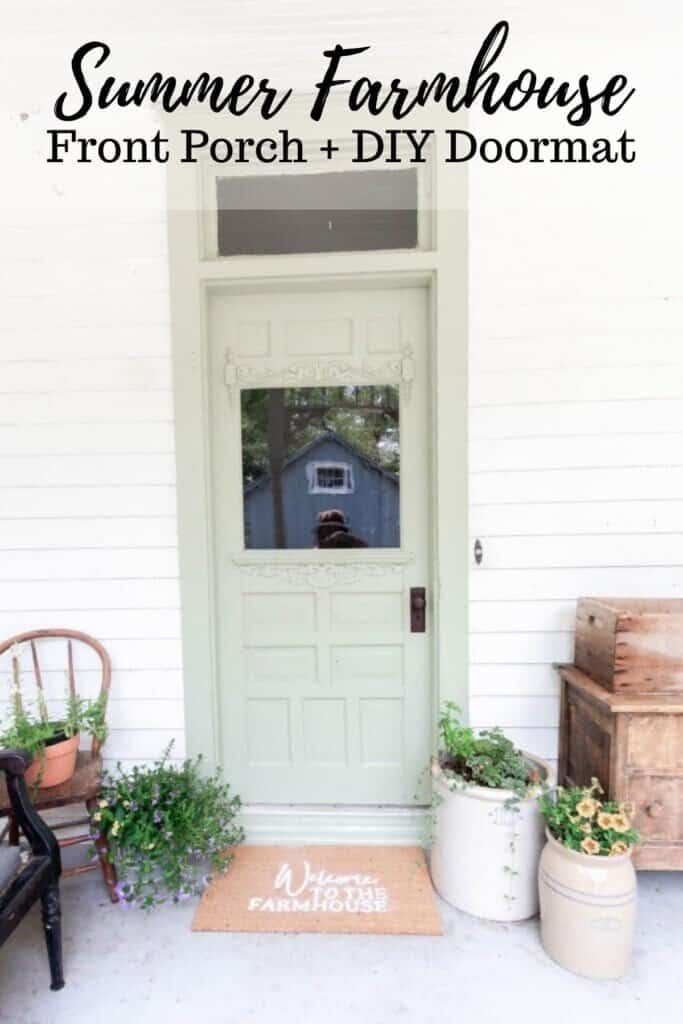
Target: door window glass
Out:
[321,467]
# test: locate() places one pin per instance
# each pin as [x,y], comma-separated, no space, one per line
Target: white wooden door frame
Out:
[443,267]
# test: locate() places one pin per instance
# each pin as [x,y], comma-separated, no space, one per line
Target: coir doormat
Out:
[344,889]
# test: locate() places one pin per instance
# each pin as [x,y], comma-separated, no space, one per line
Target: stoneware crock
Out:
[588,910]
[486,848]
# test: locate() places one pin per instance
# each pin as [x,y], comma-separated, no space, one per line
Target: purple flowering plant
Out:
[169,826]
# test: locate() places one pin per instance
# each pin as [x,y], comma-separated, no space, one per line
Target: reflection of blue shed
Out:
[326,473]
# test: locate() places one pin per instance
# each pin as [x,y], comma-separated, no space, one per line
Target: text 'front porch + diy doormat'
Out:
[384,890]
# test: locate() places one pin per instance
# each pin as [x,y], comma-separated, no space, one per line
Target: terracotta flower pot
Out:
[56,764]
[588,910]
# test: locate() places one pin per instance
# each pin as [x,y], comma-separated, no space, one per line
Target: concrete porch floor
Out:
[125,965]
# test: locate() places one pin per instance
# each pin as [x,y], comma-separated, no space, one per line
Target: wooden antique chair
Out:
[83,787]
[24,882]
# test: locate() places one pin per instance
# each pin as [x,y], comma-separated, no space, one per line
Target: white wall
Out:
[576,310]
[87,501]
[576,385]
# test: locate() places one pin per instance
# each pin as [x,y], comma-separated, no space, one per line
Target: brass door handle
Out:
[655,808]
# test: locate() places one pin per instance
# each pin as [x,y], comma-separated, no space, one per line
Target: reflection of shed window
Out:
[329,478]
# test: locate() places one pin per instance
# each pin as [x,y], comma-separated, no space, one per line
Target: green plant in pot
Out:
[53,744]
[169,827]
[488,758]
[488,828]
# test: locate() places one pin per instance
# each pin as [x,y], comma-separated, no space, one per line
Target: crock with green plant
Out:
[169,827]
[488,830]
[587,882]
[52,743]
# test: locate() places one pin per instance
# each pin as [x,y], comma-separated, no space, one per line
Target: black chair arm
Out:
[41,839]
[14,762]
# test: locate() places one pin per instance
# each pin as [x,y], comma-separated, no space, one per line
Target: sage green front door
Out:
[320,453]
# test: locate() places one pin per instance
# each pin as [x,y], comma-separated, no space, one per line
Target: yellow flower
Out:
[618,848]
[587,807]
[586,827]
[97,817]
[115,828]
[151,846]
[590,846]
[604,819]
[595,786]
[620,823]
[104,803]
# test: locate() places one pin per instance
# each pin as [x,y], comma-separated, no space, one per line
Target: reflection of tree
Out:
[277,452]
[276,422]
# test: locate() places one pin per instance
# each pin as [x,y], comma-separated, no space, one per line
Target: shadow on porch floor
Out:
[127,966]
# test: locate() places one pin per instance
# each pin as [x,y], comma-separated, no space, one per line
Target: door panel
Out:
[325,694]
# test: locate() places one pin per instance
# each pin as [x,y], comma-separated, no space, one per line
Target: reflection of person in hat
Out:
[330,521]
[332,531]
[340,539]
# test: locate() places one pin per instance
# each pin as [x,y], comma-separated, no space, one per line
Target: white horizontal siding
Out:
[86,407]
[513,681]
[556,584]
[578,452]
[88,534]
[640,417]
[81,341]
[127,654]
[576,384]
[64,595]
[520,648]
[576,406]
[72,439]
[87,470]
[129,623]
[625,348]
[105,531]
[132,686]
[567,484]
[90,563]
[577,517]
[70,501]
[576,551]
[83,374]
[131,714]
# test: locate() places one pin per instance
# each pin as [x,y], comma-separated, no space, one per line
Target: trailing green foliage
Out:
[167,825]
[582,822]
[485,759]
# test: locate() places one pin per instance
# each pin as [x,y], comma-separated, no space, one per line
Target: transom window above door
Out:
[305,208]
[347,211]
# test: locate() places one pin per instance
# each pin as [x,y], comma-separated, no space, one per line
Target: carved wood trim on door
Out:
[315,372]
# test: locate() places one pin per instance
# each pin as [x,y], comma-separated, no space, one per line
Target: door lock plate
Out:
[418,610]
